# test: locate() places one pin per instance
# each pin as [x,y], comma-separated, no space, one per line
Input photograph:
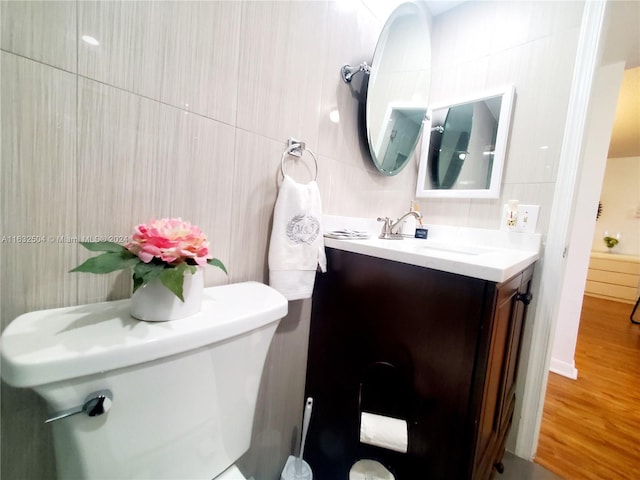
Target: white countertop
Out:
[493,255]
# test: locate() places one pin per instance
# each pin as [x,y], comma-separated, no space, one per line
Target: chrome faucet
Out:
[390,229]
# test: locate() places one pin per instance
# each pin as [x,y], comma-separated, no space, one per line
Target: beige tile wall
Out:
[481,46]
[184,109]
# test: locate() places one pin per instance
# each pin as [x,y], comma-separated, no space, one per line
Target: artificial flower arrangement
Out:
[162,249]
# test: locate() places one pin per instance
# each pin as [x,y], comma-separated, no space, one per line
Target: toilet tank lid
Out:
[47,346]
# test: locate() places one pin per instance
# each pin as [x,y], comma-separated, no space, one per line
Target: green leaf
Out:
[137,282]
[173,279]
[217,263]
[143,273]
[105,247]
[106,263]
[148,270]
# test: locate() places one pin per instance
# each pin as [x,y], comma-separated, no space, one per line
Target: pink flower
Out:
[171,240]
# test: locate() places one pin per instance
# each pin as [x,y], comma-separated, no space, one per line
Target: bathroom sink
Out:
[493,255]
[464,249]
[425,247]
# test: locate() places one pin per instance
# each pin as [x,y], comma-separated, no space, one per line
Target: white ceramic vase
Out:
[156,303]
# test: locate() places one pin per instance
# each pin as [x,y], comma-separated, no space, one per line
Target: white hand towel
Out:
[297,245]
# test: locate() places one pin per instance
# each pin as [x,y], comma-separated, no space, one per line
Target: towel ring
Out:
[296,149]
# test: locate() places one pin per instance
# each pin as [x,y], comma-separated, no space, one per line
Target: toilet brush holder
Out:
[296,469]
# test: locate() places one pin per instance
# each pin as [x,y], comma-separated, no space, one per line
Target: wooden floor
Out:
[591,426]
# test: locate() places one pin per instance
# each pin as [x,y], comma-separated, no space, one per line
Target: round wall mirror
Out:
[398,90]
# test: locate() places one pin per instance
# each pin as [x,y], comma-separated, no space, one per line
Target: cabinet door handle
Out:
[524,298]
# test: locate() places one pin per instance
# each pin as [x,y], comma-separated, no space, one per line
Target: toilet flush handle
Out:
[95,405]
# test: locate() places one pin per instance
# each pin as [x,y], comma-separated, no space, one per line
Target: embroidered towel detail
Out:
[297,245]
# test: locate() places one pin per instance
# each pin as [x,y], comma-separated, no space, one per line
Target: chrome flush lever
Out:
[95,405]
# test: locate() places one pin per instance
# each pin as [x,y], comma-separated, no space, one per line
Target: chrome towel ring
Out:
[296,149]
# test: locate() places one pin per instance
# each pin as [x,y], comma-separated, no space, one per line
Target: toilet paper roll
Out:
[385,432]
[369,470]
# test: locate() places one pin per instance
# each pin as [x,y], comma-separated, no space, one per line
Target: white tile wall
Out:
[98,139]
[39,195]
[39,203]
[279,88]
[350,25]
[532,45]
[156,161]
[255,177]
[181,53]
[41,30]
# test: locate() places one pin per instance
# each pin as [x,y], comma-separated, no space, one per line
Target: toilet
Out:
[157,400]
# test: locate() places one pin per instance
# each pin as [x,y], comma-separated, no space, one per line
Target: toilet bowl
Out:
[176,399]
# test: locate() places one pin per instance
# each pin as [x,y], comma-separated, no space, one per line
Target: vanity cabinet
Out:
[497,364]
[435,349]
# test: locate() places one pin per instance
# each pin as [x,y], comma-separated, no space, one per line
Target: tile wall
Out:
[481,46]
[183,110]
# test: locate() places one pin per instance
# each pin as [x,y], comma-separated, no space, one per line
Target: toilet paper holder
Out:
[385,390]
[384,407]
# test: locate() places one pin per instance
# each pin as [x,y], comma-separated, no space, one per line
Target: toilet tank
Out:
[184,392]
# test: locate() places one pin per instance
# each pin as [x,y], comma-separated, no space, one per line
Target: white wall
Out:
[605,97]
[621,206]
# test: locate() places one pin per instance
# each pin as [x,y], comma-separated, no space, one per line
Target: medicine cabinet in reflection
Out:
[464,147]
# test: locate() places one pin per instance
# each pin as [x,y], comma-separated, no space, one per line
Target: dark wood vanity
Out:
[436,349]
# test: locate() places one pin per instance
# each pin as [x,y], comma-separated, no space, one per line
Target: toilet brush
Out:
[296,468]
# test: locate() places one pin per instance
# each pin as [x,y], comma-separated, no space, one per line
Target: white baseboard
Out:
[565,369]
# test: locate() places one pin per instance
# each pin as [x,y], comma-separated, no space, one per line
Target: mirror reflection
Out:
[454,162]
[466,148]
[398,88]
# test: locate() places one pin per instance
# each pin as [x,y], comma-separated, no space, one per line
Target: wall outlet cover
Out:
[527,219]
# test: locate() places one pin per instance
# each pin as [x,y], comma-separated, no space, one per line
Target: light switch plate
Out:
[527,219]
